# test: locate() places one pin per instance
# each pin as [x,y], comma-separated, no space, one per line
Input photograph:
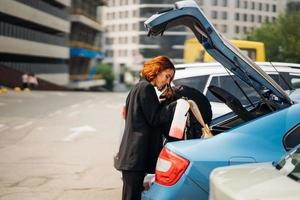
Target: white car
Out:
[202,75]
[274,181]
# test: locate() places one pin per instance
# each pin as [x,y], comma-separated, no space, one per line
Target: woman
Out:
[142,139]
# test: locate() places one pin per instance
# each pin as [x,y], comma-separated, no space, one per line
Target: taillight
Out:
[123,112]
[169,167]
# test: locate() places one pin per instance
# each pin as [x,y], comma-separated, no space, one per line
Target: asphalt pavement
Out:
[59,145]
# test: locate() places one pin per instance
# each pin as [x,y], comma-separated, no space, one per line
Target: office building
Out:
[34,37]
[85,41]
[293,5]
[125,39]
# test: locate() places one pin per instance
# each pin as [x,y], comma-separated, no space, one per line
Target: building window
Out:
[245,17]
[237,3]
[214,14]
[267,19]
[224,15]
[237,16]
[237,29]
[252,18]
[214,2]
[253,5]
[267,7]
[245,4]
[260,6]
[274,8]
[259,18]
[245,29]
[225,3]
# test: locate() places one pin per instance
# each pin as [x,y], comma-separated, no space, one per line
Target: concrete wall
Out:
[26,47]
[23,11]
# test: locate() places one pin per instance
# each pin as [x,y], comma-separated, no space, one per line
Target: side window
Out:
[292,138]
[295,80]
[279,79]
[197,82]
[228,84]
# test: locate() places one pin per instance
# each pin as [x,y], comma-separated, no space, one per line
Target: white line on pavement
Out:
[91,105]
[23,125]
[77,131]
[73,114]
[40,128]
[113,106]
[75,105]
[55,113]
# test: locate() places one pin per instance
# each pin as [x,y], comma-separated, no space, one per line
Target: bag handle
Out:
[206,133]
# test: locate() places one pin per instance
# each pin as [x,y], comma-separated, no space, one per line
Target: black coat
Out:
[142,138]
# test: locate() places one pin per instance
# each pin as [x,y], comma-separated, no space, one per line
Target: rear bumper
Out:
[185,188]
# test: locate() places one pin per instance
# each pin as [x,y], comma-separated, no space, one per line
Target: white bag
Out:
[179,119]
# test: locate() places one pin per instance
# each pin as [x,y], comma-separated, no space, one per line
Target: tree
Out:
[282,38]
[106,72]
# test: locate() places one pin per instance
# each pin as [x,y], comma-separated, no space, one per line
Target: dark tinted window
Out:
[197,82]
[228,84]
[295,80]
[292,138]
[282,80]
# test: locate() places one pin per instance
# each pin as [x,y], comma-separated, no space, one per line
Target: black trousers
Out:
[132,185]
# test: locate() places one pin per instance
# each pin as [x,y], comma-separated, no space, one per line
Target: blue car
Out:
[261,131]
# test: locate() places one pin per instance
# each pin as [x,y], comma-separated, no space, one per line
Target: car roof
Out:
[215,68]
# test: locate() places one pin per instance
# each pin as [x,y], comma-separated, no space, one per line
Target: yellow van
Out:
[194,51]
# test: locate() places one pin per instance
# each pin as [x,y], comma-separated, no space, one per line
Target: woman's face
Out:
[163,78]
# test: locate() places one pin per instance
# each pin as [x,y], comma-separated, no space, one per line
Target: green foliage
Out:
[282,38]
[106,72]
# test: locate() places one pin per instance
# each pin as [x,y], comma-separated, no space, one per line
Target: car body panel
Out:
[260,140]
[253,181]
[258,181]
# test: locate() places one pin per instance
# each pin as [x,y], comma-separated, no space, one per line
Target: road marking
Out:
[77,131]
[40,128]
[75,105]
[113,106]
[3,127]
[23,125]
[55,113]
[91,105]
[60,94]
[2,104]
[74,113]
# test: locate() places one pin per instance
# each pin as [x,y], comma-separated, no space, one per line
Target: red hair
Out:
[156,65]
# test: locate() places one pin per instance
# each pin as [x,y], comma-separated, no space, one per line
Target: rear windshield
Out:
[197,82]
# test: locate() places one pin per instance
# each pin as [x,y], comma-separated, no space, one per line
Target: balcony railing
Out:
[11,30]
[40,5]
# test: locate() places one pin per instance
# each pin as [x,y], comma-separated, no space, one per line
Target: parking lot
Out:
[59,145]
